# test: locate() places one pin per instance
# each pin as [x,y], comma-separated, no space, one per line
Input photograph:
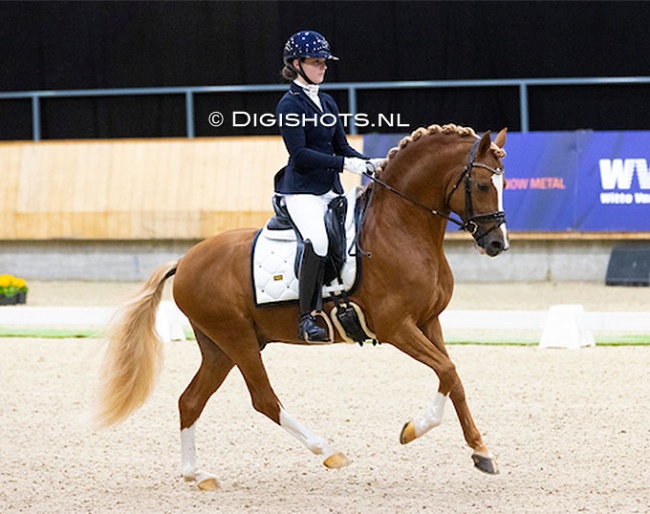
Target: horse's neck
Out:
[394,225]
[422,170]
[422,178]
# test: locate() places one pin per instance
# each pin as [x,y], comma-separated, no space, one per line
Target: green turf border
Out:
[80,333]
[49,333]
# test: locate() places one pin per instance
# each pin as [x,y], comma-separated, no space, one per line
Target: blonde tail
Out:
[134,355]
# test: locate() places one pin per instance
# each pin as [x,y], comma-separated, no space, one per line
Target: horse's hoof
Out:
[408,433]
[209,484]
[486,464]
[336,461]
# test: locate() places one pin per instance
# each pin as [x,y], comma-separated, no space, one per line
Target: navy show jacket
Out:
[316,143]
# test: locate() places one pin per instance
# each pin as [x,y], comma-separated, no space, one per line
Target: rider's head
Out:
[305,55]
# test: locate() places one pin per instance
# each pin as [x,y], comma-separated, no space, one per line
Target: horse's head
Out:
[477,195]
[431,170]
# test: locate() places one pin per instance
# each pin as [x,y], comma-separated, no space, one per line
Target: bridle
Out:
[471,221]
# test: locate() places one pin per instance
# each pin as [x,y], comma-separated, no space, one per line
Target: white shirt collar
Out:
[310,89]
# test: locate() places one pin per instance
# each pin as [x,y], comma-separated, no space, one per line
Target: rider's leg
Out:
[310,285]
[307,213]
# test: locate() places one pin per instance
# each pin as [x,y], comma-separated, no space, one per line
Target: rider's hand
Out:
[373,164]
[354,165]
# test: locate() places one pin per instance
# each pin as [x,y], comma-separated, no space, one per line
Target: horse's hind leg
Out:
[215,366]
[248,358]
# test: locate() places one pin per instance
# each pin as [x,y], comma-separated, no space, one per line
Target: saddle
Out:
[334,226]
[277,252]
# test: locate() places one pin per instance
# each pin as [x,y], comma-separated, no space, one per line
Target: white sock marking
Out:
[432,417]
[189,470]
[313,441]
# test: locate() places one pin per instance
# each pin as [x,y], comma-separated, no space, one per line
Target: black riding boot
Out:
[310,290]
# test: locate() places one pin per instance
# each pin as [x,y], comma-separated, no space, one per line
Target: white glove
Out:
[354,165]
[373,164]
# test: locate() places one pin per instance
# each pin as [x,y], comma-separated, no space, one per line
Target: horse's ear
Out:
[484,144]
[500,141]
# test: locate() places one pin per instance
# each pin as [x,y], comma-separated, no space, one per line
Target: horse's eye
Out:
[483,188]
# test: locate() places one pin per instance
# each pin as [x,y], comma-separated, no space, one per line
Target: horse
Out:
[431,173]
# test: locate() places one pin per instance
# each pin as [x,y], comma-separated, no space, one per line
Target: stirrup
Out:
[312,333]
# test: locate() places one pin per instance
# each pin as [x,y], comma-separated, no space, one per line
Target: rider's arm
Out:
[304,158]
[340,140]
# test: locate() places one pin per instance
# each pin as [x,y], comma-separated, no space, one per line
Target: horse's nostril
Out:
[494,248]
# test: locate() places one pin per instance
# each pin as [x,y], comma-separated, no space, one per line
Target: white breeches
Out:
[308,213]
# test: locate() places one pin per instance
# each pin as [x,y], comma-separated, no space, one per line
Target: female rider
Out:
[318,152]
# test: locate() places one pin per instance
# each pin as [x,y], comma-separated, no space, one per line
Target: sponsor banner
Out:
[540,182]
[581,181]
[613,191]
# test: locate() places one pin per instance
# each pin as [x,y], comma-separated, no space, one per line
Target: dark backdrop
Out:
[77,45]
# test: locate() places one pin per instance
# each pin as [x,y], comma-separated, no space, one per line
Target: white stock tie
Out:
[311,90]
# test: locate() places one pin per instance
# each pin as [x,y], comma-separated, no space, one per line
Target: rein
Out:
[470,225]
[415,202]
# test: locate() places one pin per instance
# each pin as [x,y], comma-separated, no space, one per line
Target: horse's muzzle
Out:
[492,243]
[494,248]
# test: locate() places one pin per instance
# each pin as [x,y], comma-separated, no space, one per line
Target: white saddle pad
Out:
[274,254]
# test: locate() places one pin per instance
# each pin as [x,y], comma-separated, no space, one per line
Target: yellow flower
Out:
[10,285]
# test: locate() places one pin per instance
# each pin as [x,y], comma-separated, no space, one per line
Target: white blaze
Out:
[498,181]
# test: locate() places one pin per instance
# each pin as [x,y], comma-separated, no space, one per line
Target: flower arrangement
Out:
[12,290]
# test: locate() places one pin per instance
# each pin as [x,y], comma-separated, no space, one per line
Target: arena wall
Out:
[527,260]
[136,189]
[114,210]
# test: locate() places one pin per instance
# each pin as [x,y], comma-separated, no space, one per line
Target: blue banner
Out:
[581,181]
[613,192]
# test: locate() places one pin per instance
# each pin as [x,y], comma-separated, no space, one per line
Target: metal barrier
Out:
[351,87]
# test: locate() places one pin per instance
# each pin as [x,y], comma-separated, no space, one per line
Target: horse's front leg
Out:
[482,456]
[427,346]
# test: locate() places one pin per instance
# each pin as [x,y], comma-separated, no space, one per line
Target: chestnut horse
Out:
[433,172]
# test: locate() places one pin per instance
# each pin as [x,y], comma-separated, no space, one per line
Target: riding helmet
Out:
[305,44]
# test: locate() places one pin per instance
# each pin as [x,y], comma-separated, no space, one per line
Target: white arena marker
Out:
[566,327]
[169,322]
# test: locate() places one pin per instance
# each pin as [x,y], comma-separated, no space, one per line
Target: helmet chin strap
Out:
[302,73]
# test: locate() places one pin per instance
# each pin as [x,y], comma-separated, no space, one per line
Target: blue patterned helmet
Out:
[304,44]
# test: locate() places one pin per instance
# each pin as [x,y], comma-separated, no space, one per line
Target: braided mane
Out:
[450,128]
